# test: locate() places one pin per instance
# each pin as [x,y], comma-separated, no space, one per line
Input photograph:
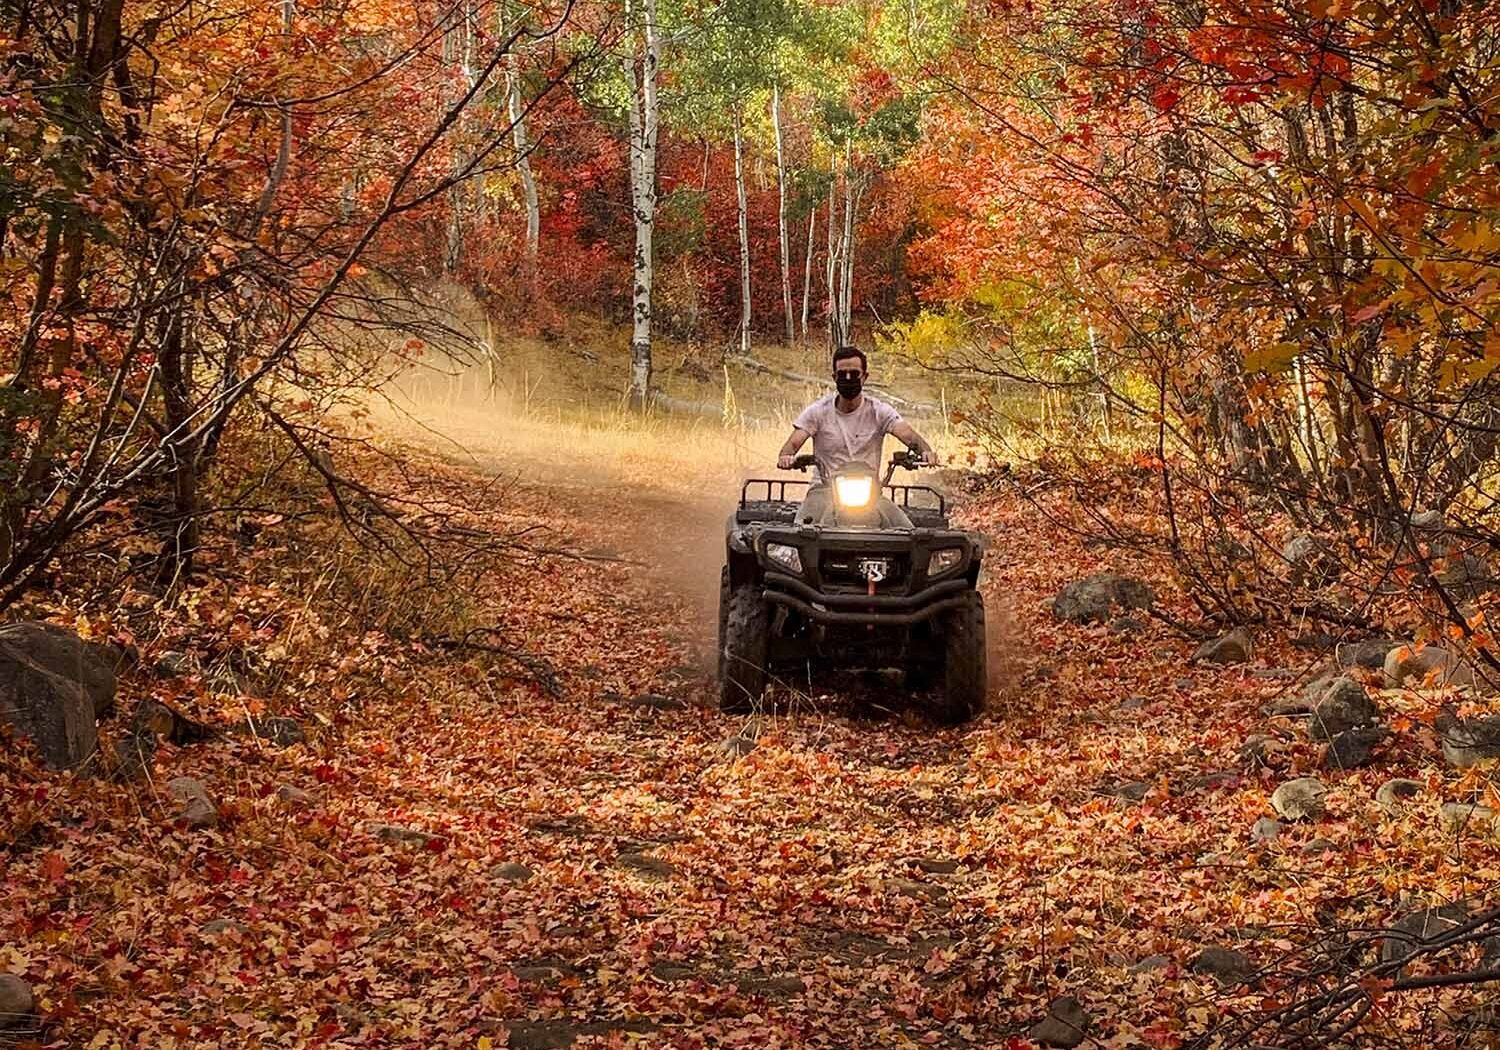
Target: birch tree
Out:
[642,66]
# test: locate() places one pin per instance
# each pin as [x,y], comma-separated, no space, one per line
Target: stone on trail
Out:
[1461,817]
[646,864]
[1353,748]
[1236,647]
[54,686]
[1300,799]
[295,795]
[1421,927]
[198,809]
[1467,741]
[932,865]
[1343,705]
[512,872]
[1266,829]
[1094,598]
[657,702]
[1066,1024]
[1432,664]
[399,833]
[17,1003]
[274,730]
[1225,965]
[1394,794]
[1367,655]
[737,746]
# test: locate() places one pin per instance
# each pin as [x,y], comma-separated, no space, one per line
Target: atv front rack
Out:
[775,492]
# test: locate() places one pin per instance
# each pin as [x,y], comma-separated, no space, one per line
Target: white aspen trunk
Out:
[643,129]
[786,249]
[852,194]
[739,190]
[523,165]
[453,48]
[832,268]
[812,226]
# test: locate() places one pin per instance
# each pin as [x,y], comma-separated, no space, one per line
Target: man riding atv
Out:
[848,429]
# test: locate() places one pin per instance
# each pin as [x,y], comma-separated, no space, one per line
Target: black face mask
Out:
[849,383]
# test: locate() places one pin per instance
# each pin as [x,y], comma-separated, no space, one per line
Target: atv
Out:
[851,590]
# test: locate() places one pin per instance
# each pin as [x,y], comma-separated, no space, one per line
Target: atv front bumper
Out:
[881,610]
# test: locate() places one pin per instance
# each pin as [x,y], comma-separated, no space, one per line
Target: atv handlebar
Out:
[911,459]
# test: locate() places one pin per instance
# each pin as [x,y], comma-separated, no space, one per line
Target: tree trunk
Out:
[523,165]
[831,268]
[812,224]
[643,129]
[846,251]
[739,192]
[786,251]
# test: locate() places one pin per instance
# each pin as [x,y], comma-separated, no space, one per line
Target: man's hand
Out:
[785,461]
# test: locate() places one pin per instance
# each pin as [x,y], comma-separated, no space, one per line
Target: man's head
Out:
[849,370]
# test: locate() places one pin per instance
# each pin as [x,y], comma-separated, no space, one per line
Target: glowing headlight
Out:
[944,560]
[854,492]
[785,555]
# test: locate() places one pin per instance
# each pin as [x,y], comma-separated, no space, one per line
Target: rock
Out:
[1310,559]
[1066,1024]
[737,746]
[914,889]
[17,1003]
[1467,574]
[1094,598]
[198,809]
[399,833]
[646,864]
[512,872]
[1131,790]
[1353,748]
[1236,647]
[172,664]
[777,987]
[1430,521]
[1256,747]
[1266,829]
[54,686]
[1432,664]
[1467,741]
[1368,655]
[1127,625]
[1225,965]
[1300,799]
[1421,927]
[1132,703]
[1317,847]
[1213,781]
[134,753]
[274,730]
[657,702]
[1460,817]
[1183,685]
[1342,706]
[1152,963]
[1395,793]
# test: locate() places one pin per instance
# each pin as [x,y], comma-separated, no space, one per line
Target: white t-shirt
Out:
[844,438]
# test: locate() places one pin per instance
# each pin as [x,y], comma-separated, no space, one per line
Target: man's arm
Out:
[794,441]
[904,433]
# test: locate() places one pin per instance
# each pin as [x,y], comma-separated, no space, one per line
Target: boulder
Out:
[1461,817]
[1094,599]
[1266,829]
[1467,574]
[1420,928]
[17,1003]
[1394,794]
[1066,1024]
[737,746]
[295,796]
[401,833]
[512,872]
[1353,748]
[1309,559]
[1224,965]
[1368,655]
[1467,741]
[1343,705]
[54,686]
[1300,799]
[198,809]
[214,927]
[274,730]
[645,864]
[1432,664]
[1236,647]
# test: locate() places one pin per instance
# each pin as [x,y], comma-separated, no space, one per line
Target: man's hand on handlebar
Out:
[785,461]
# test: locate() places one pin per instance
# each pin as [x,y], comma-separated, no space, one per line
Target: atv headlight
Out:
[944,560]
[854,492]
[785,555]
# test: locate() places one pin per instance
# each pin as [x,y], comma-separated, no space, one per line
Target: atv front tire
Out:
[965,675]
[743,650]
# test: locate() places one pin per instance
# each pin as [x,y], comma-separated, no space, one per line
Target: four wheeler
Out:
[853,589]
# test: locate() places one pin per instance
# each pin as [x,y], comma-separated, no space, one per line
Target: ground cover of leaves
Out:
[456,857]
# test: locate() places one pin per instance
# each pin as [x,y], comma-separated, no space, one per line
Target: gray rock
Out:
[737,746]
[775,987]
[512,872]
[1461,817]
[295,795]
[1317,847]
[1419,928]
[1131,790]
[1394,794]
[657,702]
[198,809]
[17,1003]
[274,730]
[1432,664]
[1467,741]
[1342,706]
[1353,748]
[1256,747]
[54,686]
[1066,1024]
[1428,521]
[1152,963]
[1300,799]
[932,865]
[1093,599]
[1236,647]
[914,889]
[172,664]
[1132,703]
[1468,574]
[1309,559]
[214,927]
[1266,829]
[1368,655]
[400,833]
[1127,625]
[1225,965]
